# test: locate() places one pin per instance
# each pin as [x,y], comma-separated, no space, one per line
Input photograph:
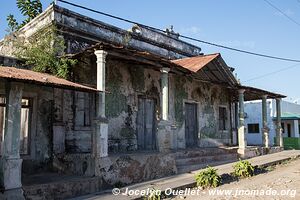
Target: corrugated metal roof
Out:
[28,76]
[196,63]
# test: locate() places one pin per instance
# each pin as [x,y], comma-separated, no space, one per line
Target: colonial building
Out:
[141,105]
[290,115]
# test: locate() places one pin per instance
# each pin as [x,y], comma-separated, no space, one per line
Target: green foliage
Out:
[243,169]
[28,8]
[44,52]
[154,195]
[13,25]
[208,178]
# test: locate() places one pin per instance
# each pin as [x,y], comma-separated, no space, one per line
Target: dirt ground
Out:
[281,183]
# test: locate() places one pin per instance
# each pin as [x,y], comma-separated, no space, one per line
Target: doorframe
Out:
[197,119]
[155,121]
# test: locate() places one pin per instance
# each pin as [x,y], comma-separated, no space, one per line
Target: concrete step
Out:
[189,168]
[67,187]
[204,152]
[204,159]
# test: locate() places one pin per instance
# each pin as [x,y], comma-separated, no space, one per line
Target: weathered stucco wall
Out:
[125,84]
[208,98]
[40,127]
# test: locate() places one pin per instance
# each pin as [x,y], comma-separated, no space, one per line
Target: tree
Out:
[45,52]
[28,8]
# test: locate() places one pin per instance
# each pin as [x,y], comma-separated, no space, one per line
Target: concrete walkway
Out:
[186,180]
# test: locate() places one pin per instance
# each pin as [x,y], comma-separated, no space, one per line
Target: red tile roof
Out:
[28,76]
[196,63]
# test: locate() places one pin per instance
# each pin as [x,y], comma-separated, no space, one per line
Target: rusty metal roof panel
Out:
[196,63]
[28,76]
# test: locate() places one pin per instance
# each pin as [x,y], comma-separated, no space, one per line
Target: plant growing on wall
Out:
[45,52]
[29,9]
[243,169]
[208,178]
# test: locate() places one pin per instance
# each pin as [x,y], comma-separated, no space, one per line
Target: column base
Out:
[100,139]
[15,194]
[245,153]
[11,170]
[165,136]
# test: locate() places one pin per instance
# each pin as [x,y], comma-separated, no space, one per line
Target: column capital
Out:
[101,54]
[278,99]
[165,70]
[241,91]
[265,96]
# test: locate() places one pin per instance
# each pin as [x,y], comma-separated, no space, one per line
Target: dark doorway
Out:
[146,133]
[191,127]
[289,130]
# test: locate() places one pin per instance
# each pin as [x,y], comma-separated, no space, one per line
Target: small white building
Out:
[290,116]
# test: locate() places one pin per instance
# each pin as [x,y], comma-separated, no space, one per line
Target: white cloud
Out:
[190,30]
[288,12]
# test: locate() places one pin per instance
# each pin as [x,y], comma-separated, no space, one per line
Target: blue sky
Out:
[249,25]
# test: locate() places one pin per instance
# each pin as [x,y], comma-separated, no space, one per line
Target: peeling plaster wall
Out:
[40,134]
[208,98]
[125,84]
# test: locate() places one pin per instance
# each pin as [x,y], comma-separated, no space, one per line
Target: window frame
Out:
[224,119]
[30,121]
[256,131]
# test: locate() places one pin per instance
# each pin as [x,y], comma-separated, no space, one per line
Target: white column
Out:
[101,61]
[11,163]
[241,128]
[279,136]
[100,138]
[296,128]
[265,129]
[165,93]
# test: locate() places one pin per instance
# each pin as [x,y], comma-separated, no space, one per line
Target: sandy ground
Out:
[281,183]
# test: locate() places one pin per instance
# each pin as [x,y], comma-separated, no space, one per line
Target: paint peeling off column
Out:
[11,163]
[100,138]
[165,130]
[265,128]
[279,137]
[241,129]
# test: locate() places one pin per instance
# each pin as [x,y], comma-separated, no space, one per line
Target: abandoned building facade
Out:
[142,100]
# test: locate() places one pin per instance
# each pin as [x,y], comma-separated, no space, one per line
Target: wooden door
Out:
[289,130]
[146,133]
[191,127]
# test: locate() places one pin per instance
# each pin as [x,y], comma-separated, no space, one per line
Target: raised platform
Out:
[119,170]
[253,151]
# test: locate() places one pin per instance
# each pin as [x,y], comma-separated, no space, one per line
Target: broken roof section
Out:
[28,76]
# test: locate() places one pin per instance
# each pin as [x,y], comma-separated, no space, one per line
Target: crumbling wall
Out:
[121,170]
[209,98]
[125,83]
[40,137]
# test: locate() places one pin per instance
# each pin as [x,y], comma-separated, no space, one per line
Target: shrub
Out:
[243,169]
[155,194]
[208,178]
